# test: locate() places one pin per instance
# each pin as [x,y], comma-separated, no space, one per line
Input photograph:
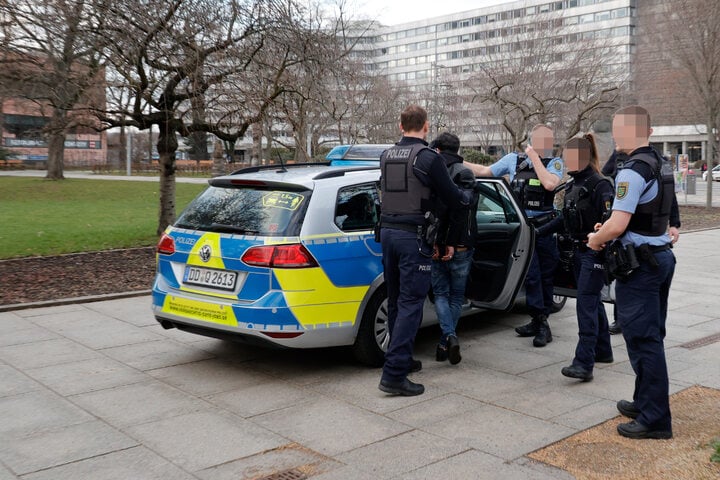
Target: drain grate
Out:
[291,474]
[701,342]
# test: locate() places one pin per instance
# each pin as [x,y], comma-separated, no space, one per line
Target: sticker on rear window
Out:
[286,200]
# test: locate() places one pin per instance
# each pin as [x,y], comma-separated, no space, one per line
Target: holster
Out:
[620,260]
[646,254]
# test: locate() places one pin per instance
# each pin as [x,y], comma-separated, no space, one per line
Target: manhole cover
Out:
[701,342]
[291,474]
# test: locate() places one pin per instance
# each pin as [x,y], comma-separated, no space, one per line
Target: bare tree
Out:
[694,29]
[233,55]
[51,51]
[549,74]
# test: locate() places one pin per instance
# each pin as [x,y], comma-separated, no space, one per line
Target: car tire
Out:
[558,303]
[373,334]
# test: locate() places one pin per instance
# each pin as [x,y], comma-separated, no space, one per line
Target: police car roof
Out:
[290,176]
[357,152]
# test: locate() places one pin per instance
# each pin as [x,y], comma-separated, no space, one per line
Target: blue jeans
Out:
[448,285]
[642,310]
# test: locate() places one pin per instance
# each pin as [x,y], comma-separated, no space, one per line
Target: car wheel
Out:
[558,303]
[373,334]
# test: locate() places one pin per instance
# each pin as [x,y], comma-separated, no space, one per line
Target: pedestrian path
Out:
[99,390]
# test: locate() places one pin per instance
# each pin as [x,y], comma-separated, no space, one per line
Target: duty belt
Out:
[407,227]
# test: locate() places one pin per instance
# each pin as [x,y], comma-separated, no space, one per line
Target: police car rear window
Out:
[247,211]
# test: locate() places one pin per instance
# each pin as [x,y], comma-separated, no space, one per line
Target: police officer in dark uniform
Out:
[534,178]
[588,196]
[412,175]
[643,266]
[616,160]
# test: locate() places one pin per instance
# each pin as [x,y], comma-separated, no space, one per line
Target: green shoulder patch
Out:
[621,190]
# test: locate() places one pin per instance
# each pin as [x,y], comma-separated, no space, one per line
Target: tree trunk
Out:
[256,154]
[56,145]
[710,156]
[167,146]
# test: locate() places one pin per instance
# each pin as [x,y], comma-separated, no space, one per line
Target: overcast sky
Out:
[392,12]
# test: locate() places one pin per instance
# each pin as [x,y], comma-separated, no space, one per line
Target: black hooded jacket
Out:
[458,226]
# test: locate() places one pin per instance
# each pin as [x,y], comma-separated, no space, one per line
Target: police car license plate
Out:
[208,277]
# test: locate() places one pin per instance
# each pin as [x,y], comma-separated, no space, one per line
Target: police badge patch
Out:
[557,165]
[622,190]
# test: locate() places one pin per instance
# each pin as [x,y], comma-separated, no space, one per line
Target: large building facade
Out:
[439,57]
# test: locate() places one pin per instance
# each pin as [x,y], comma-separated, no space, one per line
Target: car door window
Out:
[503,247]
[355,208]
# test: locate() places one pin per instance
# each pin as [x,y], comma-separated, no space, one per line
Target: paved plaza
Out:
[99,390]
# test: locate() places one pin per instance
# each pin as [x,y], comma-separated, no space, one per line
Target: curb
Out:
[73,300]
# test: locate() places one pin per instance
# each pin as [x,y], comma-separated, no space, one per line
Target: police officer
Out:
[411,174]
[588,196]
[534,178]
[640,216]
[617,159]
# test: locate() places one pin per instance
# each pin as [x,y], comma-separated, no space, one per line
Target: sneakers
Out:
[449,351]
[406,388]
[543,336]
[628,409]
[441,353]
[575,371]
[639,431]
[453,348]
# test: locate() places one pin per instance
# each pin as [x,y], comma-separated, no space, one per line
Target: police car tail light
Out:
[166,245]
[279,256]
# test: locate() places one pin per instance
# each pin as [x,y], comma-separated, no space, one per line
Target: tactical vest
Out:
[402,192]
[529,190]
[652,218]
[579,210]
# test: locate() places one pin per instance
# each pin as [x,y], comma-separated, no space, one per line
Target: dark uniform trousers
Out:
[594,337]
[407,264]
[642,310]
[539,279]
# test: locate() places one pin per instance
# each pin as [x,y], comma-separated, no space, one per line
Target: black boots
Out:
[543,335]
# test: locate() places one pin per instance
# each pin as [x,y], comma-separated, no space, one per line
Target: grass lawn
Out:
[42,217]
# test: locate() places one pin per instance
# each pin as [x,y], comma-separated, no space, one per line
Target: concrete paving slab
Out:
[400,454]
[545,402]
[200,440]
[435,410]
[360,388]
[134,310]
[20,336]
[48,449]
[10,321]
[54,352]
[494,430]
[331,426]
[208,377]
[287,457]
[37,313]
[134,463]
[154,355]
[6,474]
[14,382]
[81,377]
[96,330]
[138,403]
[259,399]
[34,412]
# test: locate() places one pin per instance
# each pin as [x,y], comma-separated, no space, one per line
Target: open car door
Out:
[503,248]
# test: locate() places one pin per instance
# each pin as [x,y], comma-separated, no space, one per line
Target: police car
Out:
[287,257]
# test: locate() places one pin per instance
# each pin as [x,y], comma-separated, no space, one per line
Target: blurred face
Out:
[542,141]
[630,132]
[576,159]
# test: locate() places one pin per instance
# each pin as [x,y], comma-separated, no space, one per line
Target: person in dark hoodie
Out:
[453,251]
